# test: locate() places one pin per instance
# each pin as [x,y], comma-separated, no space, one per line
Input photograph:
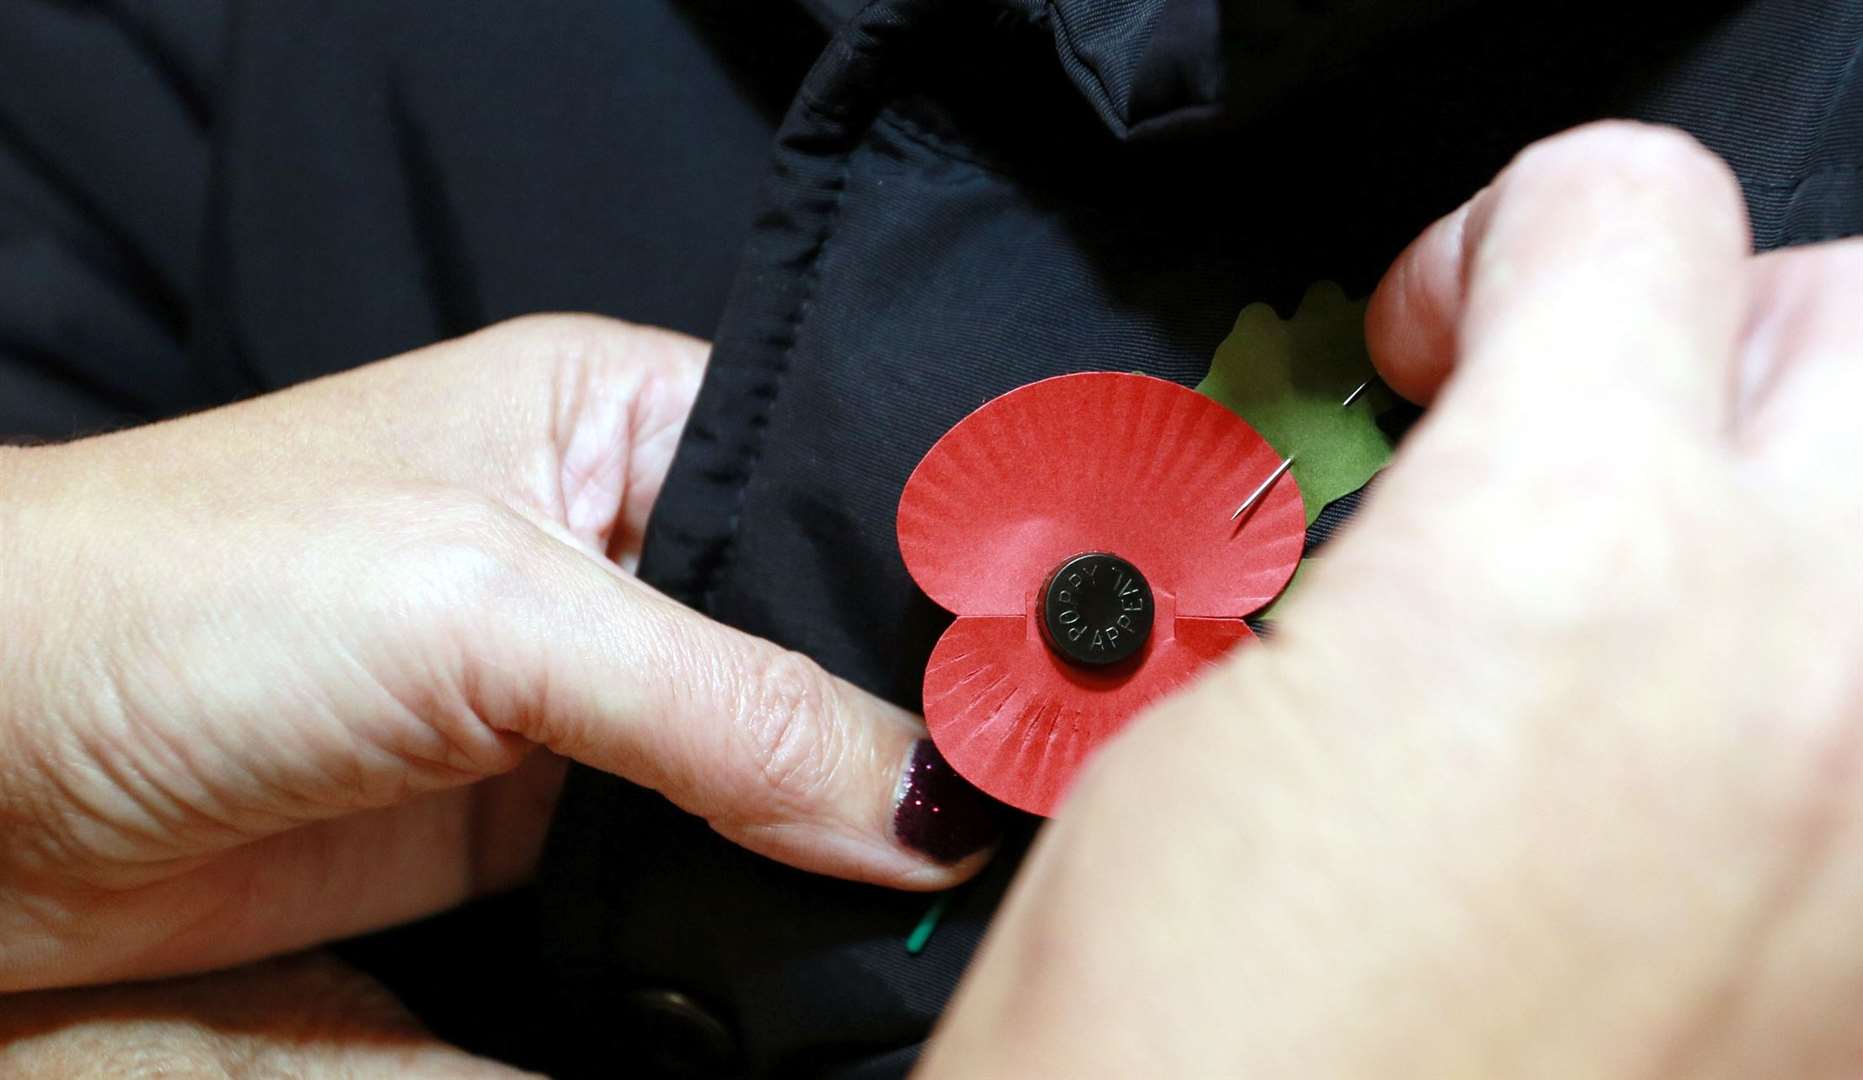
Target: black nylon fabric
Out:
[1162,66]
[205,200]
[1775,89]
[482,165]
[103,186]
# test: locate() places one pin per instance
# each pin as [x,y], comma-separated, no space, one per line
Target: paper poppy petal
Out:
[1019,722]
[1103,461]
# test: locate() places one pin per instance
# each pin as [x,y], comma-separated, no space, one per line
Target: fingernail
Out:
[939,813]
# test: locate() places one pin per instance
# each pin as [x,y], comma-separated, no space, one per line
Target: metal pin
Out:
[1255,496]
[1353,396]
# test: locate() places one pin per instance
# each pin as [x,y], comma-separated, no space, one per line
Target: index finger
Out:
[1606,262]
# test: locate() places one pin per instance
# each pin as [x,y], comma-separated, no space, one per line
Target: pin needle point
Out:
[1255,496]
[1353,396]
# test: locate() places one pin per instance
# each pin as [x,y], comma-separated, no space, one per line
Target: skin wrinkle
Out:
[793,760]
[655,421]
[182,744]
[623,533]
[471,732]
[485,863]
[70,828]
[1794,315]
[1757,372]
[143,821]
[404,717]
[436,764]
[95,749]
[42,752]
[226,913]
[560,418]
[248,893]
[160,710]
[578,369]
[595,467]
[195,822]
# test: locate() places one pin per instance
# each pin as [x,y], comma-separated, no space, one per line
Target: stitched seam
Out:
[779,372]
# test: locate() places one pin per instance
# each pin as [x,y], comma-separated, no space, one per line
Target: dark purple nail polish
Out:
[939,813]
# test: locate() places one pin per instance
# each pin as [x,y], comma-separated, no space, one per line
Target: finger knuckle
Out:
[788,716]
[462,551]
[560,333]
[1619,161]
[577,348]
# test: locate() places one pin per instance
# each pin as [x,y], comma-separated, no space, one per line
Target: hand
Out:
[261,665]
[1556,766]
[307,1017]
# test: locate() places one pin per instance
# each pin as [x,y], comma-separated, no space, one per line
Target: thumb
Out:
[1410,324]
[1416,315]
[775,753]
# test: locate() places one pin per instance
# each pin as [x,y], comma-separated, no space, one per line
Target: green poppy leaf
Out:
[1288,377]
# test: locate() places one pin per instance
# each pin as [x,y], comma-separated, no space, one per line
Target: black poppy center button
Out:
[1096,609]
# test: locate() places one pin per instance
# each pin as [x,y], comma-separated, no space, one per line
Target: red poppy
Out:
[1046,662]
